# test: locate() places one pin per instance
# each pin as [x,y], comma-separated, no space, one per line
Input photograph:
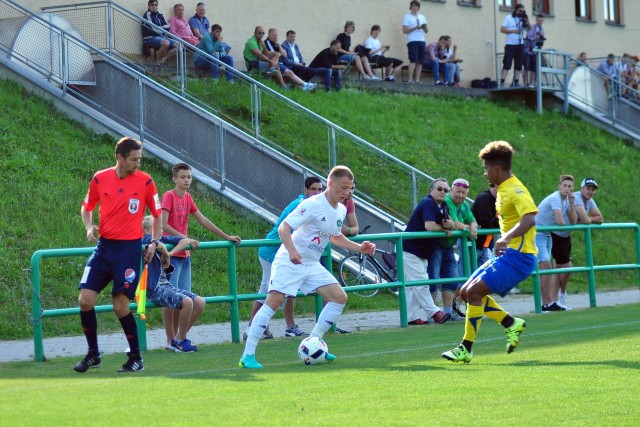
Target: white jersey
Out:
[315,222]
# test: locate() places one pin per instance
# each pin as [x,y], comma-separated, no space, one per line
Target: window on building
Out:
[613,12]
[507,4]
[584,10]
[469,2]
[543,7]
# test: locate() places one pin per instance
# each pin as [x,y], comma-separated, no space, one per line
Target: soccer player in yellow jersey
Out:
[516,254]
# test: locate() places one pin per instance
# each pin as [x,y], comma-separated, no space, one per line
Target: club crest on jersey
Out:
[134,205]
[302,211]
[129,275]
[339,223]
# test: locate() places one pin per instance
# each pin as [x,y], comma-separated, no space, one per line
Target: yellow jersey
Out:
[512,203]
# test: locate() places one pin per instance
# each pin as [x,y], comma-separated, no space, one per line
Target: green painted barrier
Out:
[233,298]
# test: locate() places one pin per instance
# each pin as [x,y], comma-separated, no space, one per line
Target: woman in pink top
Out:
[179,26]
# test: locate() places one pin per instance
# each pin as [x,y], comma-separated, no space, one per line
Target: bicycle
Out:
[360,269]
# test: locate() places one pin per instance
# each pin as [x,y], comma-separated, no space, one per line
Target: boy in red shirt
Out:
[177,205]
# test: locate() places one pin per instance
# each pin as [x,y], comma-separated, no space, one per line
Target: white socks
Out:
[258,325]
[328,317]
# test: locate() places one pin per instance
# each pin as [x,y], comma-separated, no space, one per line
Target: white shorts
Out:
[266,275]
[288,278]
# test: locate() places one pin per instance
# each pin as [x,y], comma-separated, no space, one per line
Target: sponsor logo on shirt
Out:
[302,211]
[129,276]
[323,219]
[134,205]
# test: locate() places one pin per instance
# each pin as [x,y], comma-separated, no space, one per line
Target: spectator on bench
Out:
[154,39]
[180,27]
[349,56]
[436,62]
[200,25]
[301,74]
[328,62]
[212,45]
[159,290]
[376,54]
[449,53]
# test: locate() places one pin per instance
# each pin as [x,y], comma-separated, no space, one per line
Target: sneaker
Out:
[554,306]
[294,331]
[562,301]
[439,83]
[271,70]
[455,317]
[90,361]
[389,79]
[248,361]
[133,364]
[440,317]
[330,357]
[458,354]
[266,335]
[184,346]
[366,77]
[418,322]
[308,87]
[342,331]
[513,333]
[374,77]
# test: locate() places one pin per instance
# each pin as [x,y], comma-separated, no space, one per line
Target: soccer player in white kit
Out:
[316,221]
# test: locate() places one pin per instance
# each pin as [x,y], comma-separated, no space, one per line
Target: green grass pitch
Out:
[574,368]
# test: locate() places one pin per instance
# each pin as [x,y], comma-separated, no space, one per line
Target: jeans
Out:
[327,74]
[484,255]
[443,265]
[202,62]
[446,68]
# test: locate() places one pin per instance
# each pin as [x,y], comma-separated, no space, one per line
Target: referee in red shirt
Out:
[123,192]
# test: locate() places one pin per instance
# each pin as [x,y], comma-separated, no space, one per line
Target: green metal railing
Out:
[233,298]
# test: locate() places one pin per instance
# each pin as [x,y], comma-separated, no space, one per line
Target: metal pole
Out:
[141,109]
[333,149]
[565,102]
[414,188]
[638,251]
[402,292]
[591,275]
[36,308]
[255,104]
[538,53]
[223,163]
[537,299]
[495,42]
[64,63]
[233,290]
[110,36]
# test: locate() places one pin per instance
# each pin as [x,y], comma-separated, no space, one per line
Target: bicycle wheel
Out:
[358,270]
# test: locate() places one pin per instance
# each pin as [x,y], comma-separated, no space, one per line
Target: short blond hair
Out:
[340,171]
[147,224]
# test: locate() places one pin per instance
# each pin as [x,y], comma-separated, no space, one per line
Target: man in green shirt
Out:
[443,264]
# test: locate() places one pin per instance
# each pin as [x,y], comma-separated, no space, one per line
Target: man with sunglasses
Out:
[155,39]
[431,214]
[443,263]
[515,249]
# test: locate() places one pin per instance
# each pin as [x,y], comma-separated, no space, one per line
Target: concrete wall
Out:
[473,28]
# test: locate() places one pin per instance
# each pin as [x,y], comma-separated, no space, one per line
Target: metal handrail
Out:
[334,131]
[233,297]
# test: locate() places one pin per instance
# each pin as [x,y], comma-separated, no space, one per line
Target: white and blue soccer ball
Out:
[312,351]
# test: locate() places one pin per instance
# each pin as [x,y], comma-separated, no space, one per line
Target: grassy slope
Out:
[47,161]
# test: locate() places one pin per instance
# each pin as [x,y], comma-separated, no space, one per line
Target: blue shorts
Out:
[417,51]
[181,276]
[114,260]
[156,42]
[503,273]
[544,243]
[347,58]
[166,295]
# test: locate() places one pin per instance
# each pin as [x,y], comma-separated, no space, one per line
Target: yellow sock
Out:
[493,310]
[473,321]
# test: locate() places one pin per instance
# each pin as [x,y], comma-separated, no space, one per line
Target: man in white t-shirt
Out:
[588,213]
[513,26]
[414,26]
[377,51]
[316,221]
